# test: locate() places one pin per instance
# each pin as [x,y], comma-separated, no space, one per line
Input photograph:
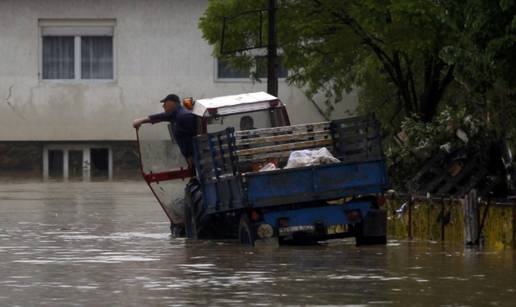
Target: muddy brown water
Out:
[107,244]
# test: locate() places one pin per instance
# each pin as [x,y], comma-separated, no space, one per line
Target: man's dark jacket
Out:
[184,127]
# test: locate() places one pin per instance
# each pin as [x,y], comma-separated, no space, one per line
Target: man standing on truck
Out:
[182,121]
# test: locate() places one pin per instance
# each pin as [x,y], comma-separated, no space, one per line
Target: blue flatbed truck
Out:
[229,197]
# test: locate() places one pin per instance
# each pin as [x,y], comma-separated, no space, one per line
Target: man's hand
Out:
[139,121]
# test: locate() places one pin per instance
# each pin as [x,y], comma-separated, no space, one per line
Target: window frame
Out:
[67,24]
[239,80]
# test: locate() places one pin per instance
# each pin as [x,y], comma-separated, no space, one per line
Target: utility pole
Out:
[272,53]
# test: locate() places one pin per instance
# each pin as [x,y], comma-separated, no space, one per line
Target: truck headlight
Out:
[265,231]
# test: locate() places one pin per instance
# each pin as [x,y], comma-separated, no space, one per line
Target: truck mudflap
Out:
[373,228]
[375,223]
[164,169]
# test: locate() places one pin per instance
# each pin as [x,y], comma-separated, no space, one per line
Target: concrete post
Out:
[471,218]
[45,163]
[65,164]
[110,163]
[86,164]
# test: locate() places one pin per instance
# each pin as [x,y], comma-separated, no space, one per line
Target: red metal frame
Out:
[163,176]
[170,175]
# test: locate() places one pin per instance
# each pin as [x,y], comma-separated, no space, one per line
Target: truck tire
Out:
[373,228]
[188,220]
[376,240]
[193,209]
[177,231]
[246,234]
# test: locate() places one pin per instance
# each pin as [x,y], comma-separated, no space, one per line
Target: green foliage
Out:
[241,32]
[484,56]
[332,47]
[421,66]
[418,141]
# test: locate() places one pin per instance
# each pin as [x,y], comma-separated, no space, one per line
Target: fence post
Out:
[471,218]
[410,218]
[514,227]
[442,219]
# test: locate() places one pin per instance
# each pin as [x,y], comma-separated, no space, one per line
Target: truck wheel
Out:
[193,205]
[372,229]
[177,231]
[377,240]
[246,234]
[187,219]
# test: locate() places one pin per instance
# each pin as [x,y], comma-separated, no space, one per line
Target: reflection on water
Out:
[66,244]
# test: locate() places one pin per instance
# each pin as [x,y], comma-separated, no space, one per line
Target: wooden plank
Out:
[259,140]
[265,156]
[284,137]
[282,129]
[283,147]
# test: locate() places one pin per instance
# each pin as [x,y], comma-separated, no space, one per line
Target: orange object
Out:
[273,161]
[255,216]
[256,166]
[188,103]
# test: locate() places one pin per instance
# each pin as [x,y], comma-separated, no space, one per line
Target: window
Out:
[77,161]
[76,51]
[58,57]
[225,71]
[96,57]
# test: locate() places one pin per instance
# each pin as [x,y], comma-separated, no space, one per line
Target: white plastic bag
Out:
[307,157]
[324,156]
[299,158]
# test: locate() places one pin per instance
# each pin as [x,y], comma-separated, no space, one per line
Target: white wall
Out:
[158,50]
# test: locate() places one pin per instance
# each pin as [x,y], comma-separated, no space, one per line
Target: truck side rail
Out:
[226,152]
[226,163]
[214,155]
[217,169]
[357,139]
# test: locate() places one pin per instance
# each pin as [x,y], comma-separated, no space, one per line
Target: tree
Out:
[332,47]
[485,57]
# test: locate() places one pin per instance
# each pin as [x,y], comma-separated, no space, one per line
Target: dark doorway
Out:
[75,164]
[55,163]
[99,162]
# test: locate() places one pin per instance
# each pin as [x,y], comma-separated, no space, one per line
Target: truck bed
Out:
[226,161]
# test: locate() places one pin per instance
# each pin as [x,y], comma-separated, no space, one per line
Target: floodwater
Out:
[107,244]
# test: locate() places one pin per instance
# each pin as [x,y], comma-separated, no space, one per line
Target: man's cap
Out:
[172,97]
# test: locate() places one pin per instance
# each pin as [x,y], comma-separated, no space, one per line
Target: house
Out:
[74,73]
